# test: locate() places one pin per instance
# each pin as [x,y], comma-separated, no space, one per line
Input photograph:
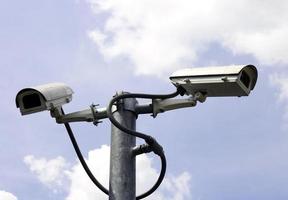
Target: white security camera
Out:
[236,80]
[43,97]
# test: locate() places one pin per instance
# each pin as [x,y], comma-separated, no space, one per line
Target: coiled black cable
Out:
[155,146]
[96,182]
[136,95]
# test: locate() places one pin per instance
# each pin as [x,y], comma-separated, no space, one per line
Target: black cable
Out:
[82,160]
[96,182]
[136,95]
[159,180]
[149,140]
[155,146]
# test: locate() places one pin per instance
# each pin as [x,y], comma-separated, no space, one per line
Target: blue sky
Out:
[225,148]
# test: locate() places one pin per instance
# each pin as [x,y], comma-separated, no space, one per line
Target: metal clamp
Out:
[94,111]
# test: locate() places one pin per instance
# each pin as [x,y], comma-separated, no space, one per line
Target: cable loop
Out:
[155,146]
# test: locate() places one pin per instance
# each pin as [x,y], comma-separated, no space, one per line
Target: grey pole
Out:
[122,182]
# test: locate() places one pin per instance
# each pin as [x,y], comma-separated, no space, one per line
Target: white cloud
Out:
[80,187]
[50,172]
[158,36]
[281,82]
[173,188]
[7,196]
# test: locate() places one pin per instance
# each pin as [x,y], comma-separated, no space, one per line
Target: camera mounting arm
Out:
[89,115]
[158,106]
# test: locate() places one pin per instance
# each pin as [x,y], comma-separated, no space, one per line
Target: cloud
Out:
[178,188]
[173,188]
[51,173]
[81,187]
[281,82]
[7,196]
[159,36]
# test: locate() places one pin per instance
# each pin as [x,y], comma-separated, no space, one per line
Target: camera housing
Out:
[234,80]
[43,97]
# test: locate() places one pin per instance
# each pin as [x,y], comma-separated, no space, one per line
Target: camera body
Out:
[235,80]
[44,97]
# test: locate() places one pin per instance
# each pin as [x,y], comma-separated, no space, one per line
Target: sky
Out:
[226,148]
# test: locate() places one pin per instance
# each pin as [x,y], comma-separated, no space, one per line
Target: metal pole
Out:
[122,182]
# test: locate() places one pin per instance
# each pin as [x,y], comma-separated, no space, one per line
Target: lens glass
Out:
[31,101]
[245,79]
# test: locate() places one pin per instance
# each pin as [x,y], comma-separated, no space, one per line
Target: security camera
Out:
[43,97]
[236,80]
